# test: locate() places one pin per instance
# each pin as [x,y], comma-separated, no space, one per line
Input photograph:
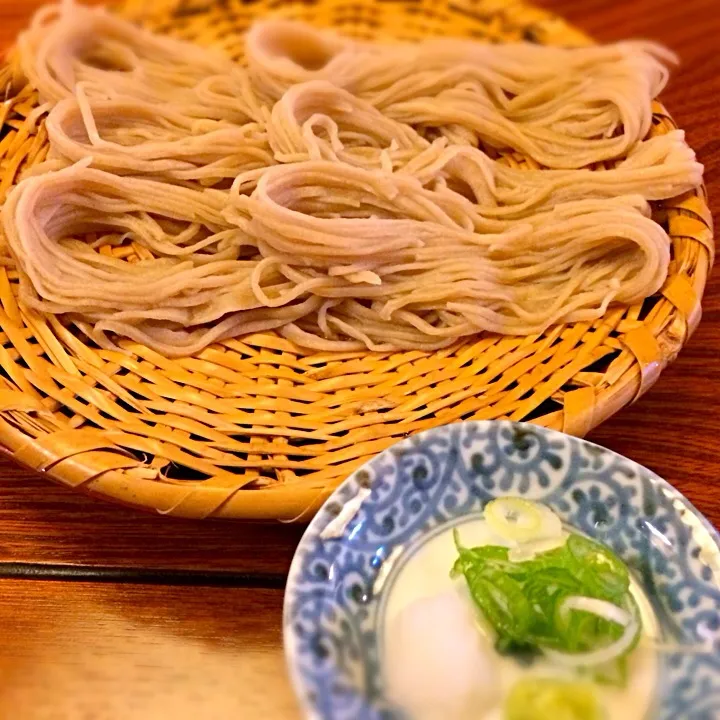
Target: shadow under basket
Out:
[257,428]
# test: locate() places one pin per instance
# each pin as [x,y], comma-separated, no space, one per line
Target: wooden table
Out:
[108,614]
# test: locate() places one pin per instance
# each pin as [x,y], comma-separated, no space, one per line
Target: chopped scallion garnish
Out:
[572,603]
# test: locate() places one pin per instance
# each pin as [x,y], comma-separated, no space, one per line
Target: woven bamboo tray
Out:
[257,428]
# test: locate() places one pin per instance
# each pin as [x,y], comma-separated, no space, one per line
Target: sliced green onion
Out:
[503,603]
[565,596]
[530,550]
[599,566]
[606,611]
[520,521]
[601,608]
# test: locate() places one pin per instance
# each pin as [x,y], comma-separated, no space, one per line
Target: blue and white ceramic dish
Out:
[346,566]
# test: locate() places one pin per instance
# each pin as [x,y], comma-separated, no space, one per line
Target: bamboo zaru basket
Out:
[257,428]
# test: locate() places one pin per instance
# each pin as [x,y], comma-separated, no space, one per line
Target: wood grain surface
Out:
[137,643]
[44,522]
[103,651]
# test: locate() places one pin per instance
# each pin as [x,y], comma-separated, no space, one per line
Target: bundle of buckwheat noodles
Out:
[561,107]
[154,139]
[347,194]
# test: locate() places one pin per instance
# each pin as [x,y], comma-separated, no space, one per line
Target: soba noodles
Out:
[347,195]
[153,139]
[561,107]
